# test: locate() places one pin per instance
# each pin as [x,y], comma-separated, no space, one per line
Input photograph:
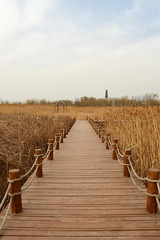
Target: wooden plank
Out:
[78,235]
[83,200]
[84,224]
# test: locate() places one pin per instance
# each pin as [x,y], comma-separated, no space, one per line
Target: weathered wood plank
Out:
[78,235]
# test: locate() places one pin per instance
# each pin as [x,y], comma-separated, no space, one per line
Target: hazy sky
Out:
[66,49]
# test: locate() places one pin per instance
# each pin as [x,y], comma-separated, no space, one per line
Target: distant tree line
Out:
[148,99]
[35,101]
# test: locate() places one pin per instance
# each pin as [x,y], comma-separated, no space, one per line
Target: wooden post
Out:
[103,132]
[50,155]
[99,132]
[153,174]
[57,141]
[69,127]
[114,148]
[107,140]
[65,132]
[38,152]
[16,204]
[126,161]
[94,127]
[61,135]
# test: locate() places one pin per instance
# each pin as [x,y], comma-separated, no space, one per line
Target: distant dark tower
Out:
[106,94]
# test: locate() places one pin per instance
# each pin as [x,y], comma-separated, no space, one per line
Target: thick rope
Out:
[14,180]
[158,203]
[30,170]
[34,164]
[14,194]
[5,196]
[54,146]
[120,162]
[118,151]
[45,155]
[139,188]
[55,143]
[47,152]
[140,178]
[157,196]
[6,215]
[43,163]
[158,187]
[33,176]
[130,163]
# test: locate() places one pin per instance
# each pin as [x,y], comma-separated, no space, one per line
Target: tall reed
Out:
[139,130]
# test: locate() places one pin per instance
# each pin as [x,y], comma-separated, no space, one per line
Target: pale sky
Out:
[66,49]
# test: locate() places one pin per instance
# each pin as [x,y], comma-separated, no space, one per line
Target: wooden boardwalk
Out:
[82,195]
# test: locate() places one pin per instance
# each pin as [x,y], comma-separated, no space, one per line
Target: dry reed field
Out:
[20,135]
[138,129]
[25,127]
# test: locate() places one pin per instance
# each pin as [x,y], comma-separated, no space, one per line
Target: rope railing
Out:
[30,170]
[14,180]
[158,198]
[132,174]
[31,180]
[5,196]
[6,215]
[152,180]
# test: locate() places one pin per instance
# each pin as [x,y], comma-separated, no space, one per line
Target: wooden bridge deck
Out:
[82,195]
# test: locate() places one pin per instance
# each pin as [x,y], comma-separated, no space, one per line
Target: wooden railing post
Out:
[99,132]
[38,154]
[126,161]
[114,148]
[57,141]
[50,143]
[94,126]
[65,132]
[107,140]
[153,174]
[16,204]
[61,135]
[70,125]
[103,133]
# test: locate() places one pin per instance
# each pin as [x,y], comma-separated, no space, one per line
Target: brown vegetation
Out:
[20,135]
[138,129]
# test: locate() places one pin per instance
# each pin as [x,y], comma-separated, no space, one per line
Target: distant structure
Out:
[106,94]
[58,104]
